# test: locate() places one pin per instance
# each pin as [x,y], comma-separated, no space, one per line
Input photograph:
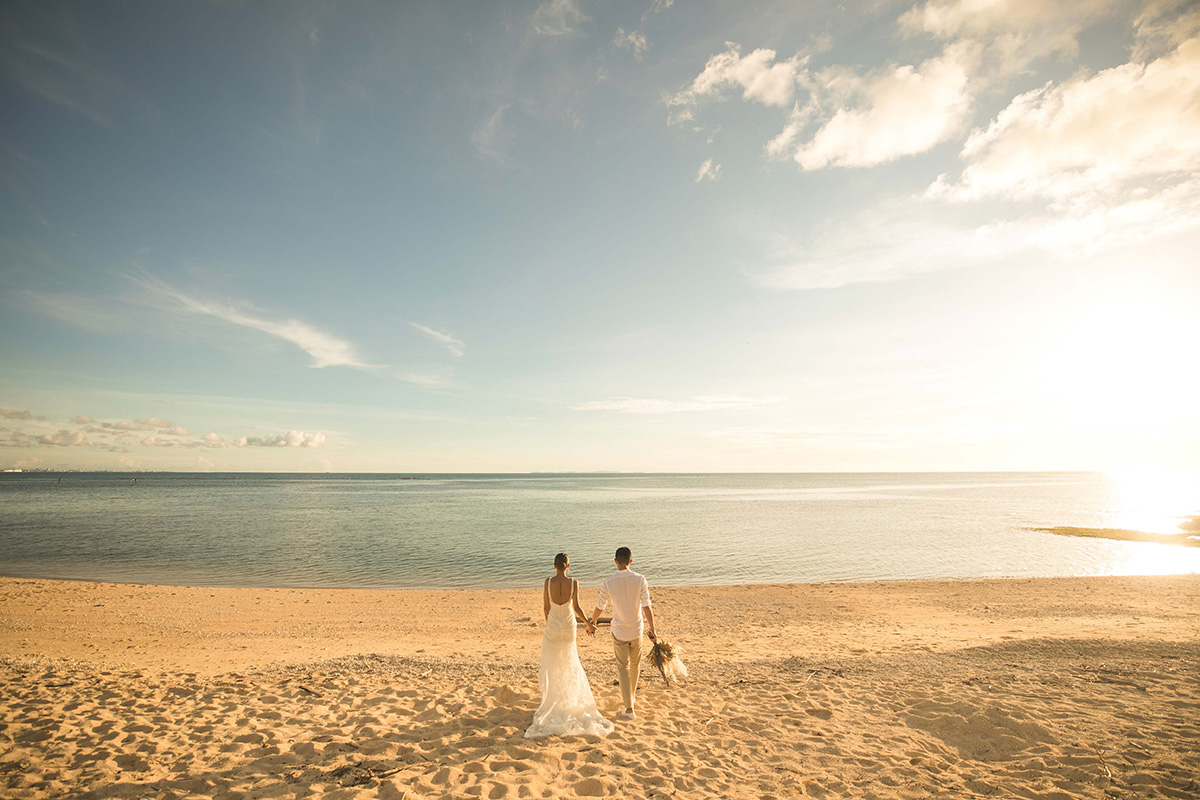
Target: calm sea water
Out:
[482,531]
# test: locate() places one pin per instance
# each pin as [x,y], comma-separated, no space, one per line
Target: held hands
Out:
[591,628]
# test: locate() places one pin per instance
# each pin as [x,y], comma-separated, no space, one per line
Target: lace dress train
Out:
[568,707]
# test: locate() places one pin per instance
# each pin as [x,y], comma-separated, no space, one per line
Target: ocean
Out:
[501,531]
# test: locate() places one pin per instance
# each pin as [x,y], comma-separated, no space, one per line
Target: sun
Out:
[1128,365]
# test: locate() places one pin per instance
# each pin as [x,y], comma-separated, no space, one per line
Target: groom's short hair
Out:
[623,555]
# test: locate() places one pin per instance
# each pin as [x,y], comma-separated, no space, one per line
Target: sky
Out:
[660,235]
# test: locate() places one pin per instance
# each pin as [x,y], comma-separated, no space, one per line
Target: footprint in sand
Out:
[590,787]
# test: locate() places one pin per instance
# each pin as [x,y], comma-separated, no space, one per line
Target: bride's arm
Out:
[546,599]
[575,600]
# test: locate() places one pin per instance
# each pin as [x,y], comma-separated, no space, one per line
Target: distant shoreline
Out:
[543,474]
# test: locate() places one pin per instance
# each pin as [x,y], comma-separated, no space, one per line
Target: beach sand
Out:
[1048,688]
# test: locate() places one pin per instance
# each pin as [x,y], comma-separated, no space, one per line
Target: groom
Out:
[630,597]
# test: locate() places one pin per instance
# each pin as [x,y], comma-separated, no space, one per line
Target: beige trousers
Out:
[629,663]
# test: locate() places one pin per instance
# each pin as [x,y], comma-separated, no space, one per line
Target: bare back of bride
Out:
[568,707]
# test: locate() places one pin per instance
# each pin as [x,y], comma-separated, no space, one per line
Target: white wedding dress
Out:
[568,707]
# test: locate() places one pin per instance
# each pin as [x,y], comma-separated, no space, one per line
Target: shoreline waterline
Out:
[497,531]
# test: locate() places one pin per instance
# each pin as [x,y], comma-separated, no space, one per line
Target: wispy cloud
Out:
[325,349]
[708,171]
[490,138]
[889,242]
[456,347]
[12,413]
[632,405]
[559,18]
[45,53]
[89,313]
[633,41]
[1013,32]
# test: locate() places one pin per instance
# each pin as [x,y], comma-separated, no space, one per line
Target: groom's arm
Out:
[647,612]
[601,602]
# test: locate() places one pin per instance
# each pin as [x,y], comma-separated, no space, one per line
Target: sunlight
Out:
[1154,500]
[1128,364]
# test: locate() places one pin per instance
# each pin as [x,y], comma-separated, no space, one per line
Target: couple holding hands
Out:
[568,707]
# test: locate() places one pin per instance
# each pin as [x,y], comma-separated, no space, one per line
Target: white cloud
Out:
[125,425]
[861,120]
[153,441]
[455,346]
[157,422]
[900,111]
[82,420]
[708,171]
[325,349]
[1135,126]
[66,439]
[11,413]
[130,462]
[659,6]
[632,40]
[558,18]
[177,430]
[212,438]
[289,439]
[760,77]
[631,405]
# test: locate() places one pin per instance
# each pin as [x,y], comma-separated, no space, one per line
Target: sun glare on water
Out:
[1155,501]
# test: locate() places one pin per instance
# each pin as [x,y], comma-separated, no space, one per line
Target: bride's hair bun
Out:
[560,561]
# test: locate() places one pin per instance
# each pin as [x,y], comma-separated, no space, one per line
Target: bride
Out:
[568,707]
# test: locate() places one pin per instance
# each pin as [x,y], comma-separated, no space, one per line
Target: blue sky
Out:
[567,235]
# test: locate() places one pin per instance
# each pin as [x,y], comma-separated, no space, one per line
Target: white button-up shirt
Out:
[628,592]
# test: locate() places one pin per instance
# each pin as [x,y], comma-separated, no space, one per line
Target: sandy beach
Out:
[1048,688]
